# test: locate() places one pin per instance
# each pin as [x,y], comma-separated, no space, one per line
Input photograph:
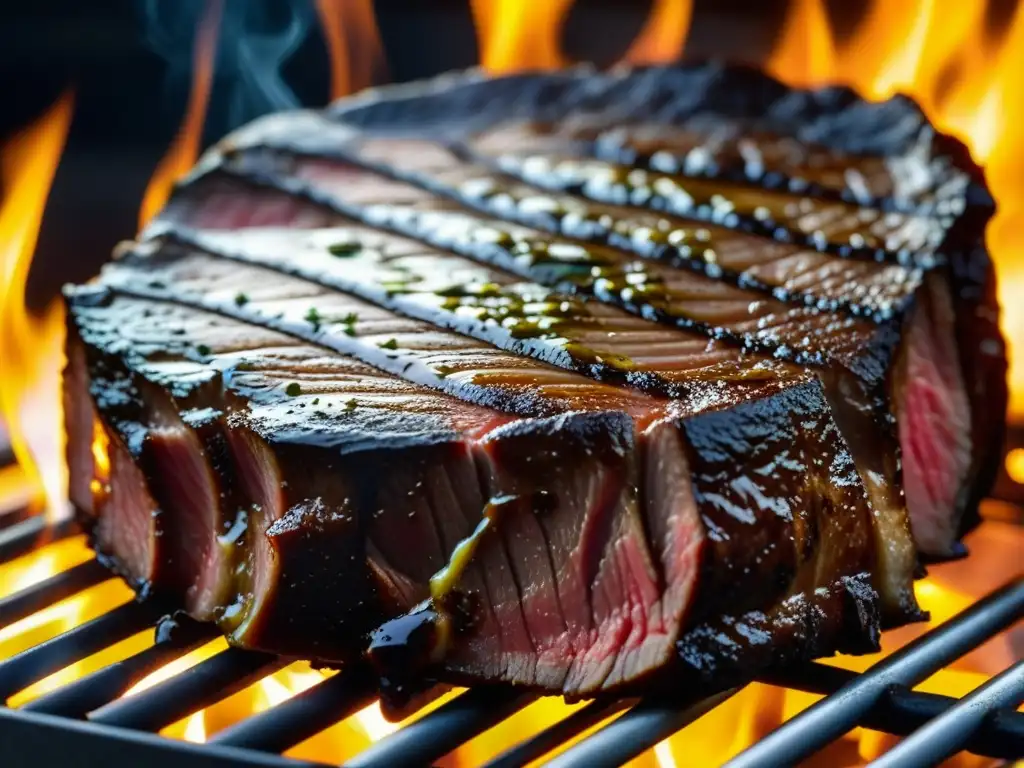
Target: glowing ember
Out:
[184,150]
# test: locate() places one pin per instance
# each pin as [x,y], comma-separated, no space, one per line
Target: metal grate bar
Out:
[44,594]
[43,740]
[635,732]
[902,711]
[44,659]
[830,718]
[946,735]
[304,715]
[22,537]
[208,682]
[446,728]
[105,685]
[555,735]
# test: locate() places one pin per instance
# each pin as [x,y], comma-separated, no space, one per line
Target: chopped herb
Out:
[444,370]
[389,344]
[157,284]
[350,318]
[349,330]
[350,405]
[293,389]
[345,249]
[203,350]
[241,299]
[313,317]
[316,401]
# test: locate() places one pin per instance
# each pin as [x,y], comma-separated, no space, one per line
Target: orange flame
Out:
[967,78]
[353,43]
[517,34]
[184,149]
[662,37]
[31,348]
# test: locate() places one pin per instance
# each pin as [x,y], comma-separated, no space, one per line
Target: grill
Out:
[85,721]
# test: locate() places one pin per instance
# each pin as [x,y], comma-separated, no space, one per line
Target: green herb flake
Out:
[293,389]
[203,350]
[350,318]
[350,405]
[241,299]
[316,401]
[343,250]
[313,317]
[389,344]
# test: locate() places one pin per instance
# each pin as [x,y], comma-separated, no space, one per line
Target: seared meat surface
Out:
[536,380]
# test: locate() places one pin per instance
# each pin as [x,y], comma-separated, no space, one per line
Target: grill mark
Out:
[868,363]
[896,237]
[644,233]
[895,240]
[502,397]
[577,218]
[426,306]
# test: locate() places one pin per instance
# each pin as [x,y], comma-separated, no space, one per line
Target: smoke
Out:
[254,42]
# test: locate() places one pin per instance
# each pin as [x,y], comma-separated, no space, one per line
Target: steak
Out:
[565,380]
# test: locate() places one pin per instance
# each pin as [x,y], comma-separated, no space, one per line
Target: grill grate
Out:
[84,722]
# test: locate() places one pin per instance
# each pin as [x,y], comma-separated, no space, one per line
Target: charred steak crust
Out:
[558,379]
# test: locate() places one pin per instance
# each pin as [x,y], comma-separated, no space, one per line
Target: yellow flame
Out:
[184,149]
[663,34]
[518,34]
[805,52]
[353,43]
[31,348]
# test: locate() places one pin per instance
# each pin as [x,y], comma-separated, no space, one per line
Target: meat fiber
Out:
[575,381]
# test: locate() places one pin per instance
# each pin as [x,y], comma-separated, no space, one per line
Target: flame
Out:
[353,43]
[966,76]
[31,347]
[517,34]
[662,37]
[184,149]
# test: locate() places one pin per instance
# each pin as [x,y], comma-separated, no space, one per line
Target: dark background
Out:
[129,62]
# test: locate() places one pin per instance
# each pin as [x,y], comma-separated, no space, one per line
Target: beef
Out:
[583,382]
[844,280]
[617,515]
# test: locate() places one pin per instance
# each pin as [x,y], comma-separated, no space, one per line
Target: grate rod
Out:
[104,685]
[558,734]
[447,727]
[305,714]
[208,682]
[828,719]
[22,537]
[946,735]
[54,589]
[48,657]
[902,711]
[649,722]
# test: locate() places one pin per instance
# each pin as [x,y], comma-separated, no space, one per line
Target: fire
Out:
[31,347]
[350,32]
[184,149]
[965,75]
[663,34]
[517,34]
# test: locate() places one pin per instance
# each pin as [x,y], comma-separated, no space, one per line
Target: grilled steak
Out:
[561,379]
